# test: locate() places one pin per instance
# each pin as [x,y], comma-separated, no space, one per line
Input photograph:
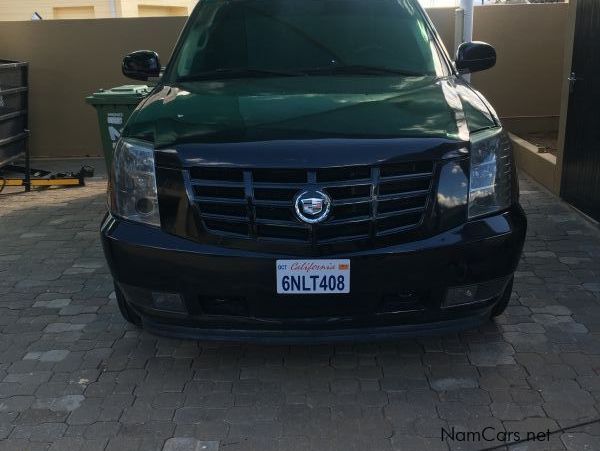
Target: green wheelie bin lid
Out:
[121,95]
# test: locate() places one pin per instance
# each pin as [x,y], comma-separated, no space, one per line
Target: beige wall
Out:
[144,8]
[79,9]
[72,59]
[161,11]
[74,12]
[525,86]
[23,9]
[69,60]
[443,19]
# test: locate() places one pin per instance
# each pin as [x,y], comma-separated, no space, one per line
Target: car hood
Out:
[296,108]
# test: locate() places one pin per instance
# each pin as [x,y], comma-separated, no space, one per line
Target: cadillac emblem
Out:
[312,206]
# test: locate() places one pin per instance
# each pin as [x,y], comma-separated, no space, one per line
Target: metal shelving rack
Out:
[14,130]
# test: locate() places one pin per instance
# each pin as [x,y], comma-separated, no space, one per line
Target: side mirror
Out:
[141,65]
[474,57]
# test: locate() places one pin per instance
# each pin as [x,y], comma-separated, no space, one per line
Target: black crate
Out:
[12,148]
[13,100]
[14,96]
[12,74]
[13,124]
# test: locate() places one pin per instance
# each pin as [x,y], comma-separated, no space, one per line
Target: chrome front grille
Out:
[367,201]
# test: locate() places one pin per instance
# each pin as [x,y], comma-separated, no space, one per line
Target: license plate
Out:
[313,276]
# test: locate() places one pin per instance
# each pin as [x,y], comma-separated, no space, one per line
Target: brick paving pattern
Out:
[75,376]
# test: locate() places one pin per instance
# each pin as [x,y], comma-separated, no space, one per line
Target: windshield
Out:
[276,38]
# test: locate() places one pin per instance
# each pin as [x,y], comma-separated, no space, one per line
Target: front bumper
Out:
[230,294]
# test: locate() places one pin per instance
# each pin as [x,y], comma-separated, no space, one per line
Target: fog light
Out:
[476,293]
[156,300]
[167,302]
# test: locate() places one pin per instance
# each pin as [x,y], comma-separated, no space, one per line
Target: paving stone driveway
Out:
[74,375]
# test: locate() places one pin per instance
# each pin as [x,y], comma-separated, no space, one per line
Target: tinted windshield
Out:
[250,38]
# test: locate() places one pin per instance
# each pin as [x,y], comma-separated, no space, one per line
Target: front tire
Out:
[504,299]
[126,312]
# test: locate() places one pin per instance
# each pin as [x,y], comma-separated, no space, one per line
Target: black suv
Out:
[312,170]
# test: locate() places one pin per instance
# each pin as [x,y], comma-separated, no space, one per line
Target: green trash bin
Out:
[114,106]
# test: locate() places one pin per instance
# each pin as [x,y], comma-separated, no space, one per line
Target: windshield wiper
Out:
[358,69]
[244,72]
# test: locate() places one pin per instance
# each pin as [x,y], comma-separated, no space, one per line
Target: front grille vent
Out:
[367,202]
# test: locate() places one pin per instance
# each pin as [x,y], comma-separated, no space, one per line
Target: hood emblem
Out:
[312,206]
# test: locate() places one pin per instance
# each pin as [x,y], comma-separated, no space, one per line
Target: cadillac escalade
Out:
[312,171]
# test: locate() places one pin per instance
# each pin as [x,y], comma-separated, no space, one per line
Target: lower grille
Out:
[366,201]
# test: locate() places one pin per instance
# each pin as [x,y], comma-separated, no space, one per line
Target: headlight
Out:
[132,191]
[491,173]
